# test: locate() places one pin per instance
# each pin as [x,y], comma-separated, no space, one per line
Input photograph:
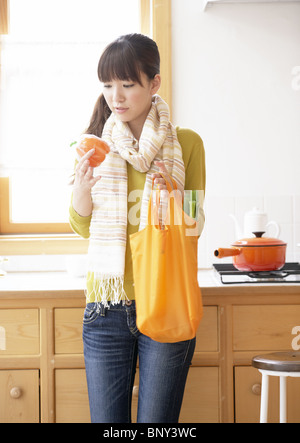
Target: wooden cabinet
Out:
[68,330]
[42,375]
[247,396]
[201,397]
[19,331]
[208,332]
[264,327]
[19,399]
[71,396]
[71,400]
[260,329]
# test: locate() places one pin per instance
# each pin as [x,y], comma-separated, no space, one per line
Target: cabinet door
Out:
[19,396]
[200,403]
[72,404]
[201,397]
[247,397]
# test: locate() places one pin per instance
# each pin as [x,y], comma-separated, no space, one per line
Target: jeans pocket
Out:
[91,313]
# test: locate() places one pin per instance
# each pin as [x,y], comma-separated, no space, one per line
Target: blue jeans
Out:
[112,344]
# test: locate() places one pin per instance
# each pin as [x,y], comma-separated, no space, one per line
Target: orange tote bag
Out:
[168,298]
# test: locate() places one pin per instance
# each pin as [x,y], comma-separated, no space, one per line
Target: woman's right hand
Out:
[84,178]
[83,183]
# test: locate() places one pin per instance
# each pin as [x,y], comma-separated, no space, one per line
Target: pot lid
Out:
[259,240]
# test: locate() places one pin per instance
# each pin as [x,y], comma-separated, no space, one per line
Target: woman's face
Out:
[130,101]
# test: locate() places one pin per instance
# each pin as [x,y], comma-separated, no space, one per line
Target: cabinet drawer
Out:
[68,330]
[19,331]
[207,334]
[263,328]
[19,396]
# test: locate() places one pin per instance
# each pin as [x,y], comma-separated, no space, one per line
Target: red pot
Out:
[256,254]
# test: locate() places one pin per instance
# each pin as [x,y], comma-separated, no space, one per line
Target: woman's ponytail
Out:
[100,115]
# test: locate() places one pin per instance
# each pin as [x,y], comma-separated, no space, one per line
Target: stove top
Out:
[228,274]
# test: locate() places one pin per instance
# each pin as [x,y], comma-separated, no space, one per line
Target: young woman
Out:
[134,120]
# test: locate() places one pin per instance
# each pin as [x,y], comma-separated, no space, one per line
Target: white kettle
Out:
[255,221]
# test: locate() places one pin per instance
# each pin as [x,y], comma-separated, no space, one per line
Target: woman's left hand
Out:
[159,181]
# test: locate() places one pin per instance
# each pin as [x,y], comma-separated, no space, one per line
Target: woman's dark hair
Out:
[124,59]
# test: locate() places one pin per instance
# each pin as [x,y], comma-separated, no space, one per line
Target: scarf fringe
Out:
[107,289]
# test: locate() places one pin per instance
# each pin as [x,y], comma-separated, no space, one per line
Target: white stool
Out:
[278,364]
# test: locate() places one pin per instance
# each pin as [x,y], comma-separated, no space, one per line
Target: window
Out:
[48,87]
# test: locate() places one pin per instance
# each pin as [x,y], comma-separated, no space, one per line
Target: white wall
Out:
[233,84]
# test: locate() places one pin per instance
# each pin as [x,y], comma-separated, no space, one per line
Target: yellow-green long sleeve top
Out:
[195,177]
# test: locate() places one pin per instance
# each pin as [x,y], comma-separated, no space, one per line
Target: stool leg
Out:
[264,398]
[282,399]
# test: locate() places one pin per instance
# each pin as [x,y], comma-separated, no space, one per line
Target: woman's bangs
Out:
[118,64]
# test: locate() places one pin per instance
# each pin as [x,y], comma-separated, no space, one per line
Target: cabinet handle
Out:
[256,389]
[15,392]
[135,391]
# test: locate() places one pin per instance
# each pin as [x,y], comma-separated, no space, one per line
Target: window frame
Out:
[58,238]
[4,14]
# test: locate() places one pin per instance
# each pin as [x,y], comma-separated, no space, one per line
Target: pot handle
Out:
[227,252]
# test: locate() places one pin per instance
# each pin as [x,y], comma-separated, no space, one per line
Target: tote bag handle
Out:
[171,186]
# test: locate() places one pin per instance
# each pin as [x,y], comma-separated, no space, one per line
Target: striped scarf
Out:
[108,228]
